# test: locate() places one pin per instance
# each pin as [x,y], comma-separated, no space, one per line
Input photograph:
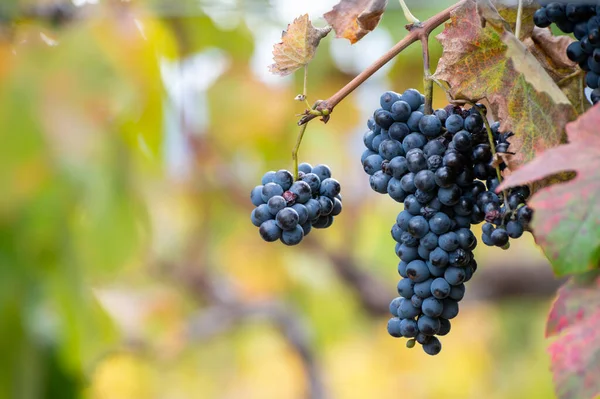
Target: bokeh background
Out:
[131,134]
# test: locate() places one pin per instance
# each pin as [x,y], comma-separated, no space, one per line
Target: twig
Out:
[297,148]
[415,34]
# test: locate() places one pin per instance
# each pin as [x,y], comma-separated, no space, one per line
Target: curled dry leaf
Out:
[297,47]
[567,216]
[490,63]
[353,19]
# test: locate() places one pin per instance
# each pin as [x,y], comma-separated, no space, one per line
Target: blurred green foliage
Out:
[103,249]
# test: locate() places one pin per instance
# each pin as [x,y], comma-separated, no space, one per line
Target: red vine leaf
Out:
[297,47]
[567,216]
[353,19]
[490,63]
[575,355]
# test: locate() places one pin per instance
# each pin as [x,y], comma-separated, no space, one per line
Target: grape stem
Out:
[407,14]
[417,31]
[493,149]
[299,142]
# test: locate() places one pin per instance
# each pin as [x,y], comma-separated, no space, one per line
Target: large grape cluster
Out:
[436,165]
[287,210]
[582,19]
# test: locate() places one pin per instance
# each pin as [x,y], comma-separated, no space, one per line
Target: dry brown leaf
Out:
[297,47]
[353,19]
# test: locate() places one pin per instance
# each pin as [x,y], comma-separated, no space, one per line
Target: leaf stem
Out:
[415,34]
[407,14]
[305,88]
[427,82]
[519,17]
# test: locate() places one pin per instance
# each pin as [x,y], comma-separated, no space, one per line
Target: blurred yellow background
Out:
[131,134]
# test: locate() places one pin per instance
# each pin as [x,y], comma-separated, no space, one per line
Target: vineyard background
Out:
[132,136]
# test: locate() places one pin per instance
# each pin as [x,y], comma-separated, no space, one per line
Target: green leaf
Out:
[490,63]
[566,222]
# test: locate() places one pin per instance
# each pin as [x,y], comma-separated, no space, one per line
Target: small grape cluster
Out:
[583,20]
[287,210]
[431,164]
[505,217]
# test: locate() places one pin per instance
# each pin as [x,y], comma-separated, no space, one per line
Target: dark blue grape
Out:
[407,254]
[430,240]
[276,204]
[462,140]
[428,325]
[269,231]
[435,162]
[372,164]
[306,227]
[454,123]
[474,123]
[416,160]
[416,301]
[387,99]
[403,218]
[440,288]
[406,310]
[323,222]
[301,211]
[394,306]
[270,190]
[418,226]
[423,289]
[449,196]
[438,257]
[417,271]
[457,292]
[393,327]
[256,195]
[302,191]
[432,307]
[445,327]
[541,19]
[413,140]
[412,205]
[292,237]
[326,205]
[398,167]
[400,111]
[260,215]
[430,126]
[398,131]
[454,275]
[383,118]
[284,178]
[306,168]
[450,309]
[330,187]
[313,181]
[514,229]
[440,223]
[407,239]
[413,98]
[337,207]
[459,257]
[268,177]
[322,171]
[407,183]
[499,237]
[287,219]
[389,149]
[395,190]
[424,180]
[435,271]
[408,328]
[433,347]
[314,208]
[449,241]
[402,268]
[379,182]
[445,177]
[423,252]
[434,147]
[442,115]
[466,239]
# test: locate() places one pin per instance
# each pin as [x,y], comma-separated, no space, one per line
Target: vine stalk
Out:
[416,33]
[427,81]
